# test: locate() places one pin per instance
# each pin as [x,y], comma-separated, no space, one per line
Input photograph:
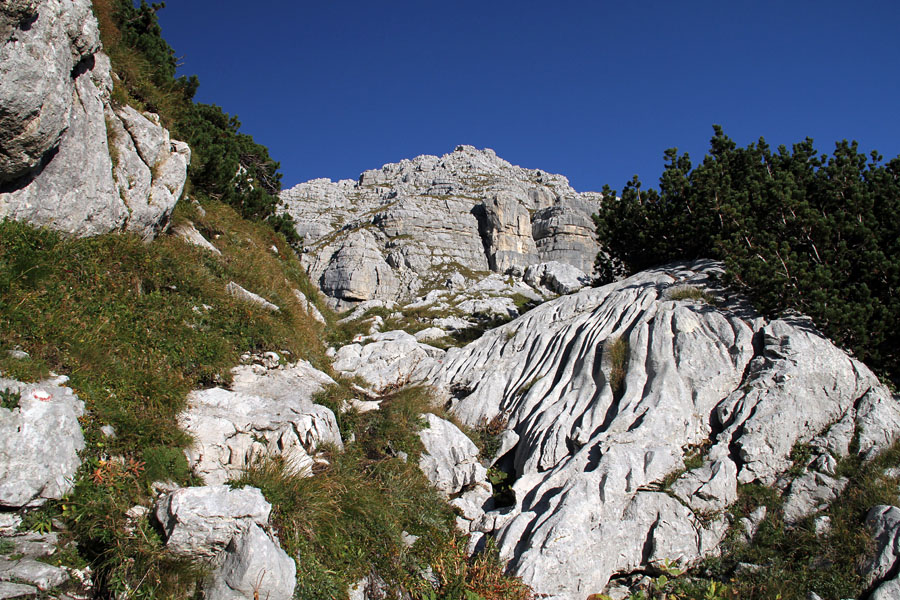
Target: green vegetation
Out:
[795,560]
[617,352]
[690,292]
[137,326]
[349,519]
[796,230]
[226,165]
[9,400]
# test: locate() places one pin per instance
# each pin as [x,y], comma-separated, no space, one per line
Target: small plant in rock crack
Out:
[9,399]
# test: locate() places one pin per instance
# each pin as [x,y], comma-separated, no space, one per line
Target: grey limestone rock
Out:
[432,219]
[506,230]
[42,43]
[811,492]
[267,412]
[248,296]
[16,590]
[39,443]
[199,522]
[450,460]
[309,307]
[884,523]
[357,271]
[387,360]
[565,232]
[69,158]
[557,277]
[189,233]
[589,459]
[33,572]
[254,566]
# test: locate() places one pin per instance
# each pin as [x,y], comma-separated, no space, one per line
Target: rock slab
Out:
[39,442]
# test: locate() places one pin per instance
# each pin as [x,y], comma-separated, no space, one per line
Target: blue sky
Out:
[594,90]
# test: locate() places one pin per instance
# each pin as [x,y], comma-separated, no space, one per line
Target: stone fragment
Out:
[884,523]
[254,566]
[16,590]
[811,492]
[309,307]
[557,277]
[201,521]
[33,572]
[189,233]
[450,460]
[39,443]
[248,296]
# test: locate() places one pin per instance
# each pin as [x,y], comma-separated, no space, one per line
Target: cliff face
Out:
[408,225]
[70,158]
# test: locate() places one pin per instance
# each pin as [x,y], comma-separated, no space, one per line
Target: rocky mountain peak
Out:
[405,228]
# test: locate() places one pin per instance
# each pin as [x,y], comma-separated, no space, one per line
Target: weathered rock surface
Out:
[884,524]
[412,226]
[69,158]
[267,412]
[387,360]
[247,296]
[201,521]
[450,460]
[226,527]
[309,307]
[557,277]
[589,460]
[39,442]
[254,567]
[37,573]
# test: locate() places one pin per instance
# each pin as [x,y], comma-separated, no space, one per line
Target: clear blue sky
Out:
[595,90]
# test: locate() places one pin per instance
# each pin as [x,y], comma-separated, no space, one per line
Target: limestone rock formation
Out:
[409,227]
[450,459]
[880,571]
[201,521]
[596,430]
[557,277]
[40,439]
[387,360]
[227,528]
[254,567]
[70,159]
[267,411]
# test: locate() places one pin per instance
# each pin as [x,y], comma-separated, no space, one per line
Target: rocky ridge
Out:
[598,459]
[71,158]
[408,228]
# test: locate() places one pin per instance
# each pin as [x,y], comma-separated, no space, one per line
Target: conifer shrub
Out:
[796,230]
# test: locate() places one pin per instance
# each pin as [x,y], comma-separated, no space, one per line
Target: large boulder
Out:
[226,529]
[199,522]
[450,460]
[70,158]
[607,390]
[40,440]
[387,361]
[268,412]
[254,567]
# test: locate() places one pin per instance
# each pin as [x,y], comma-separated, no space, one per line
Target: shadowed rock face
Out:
[428,218]
[590,460]
[70,159]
